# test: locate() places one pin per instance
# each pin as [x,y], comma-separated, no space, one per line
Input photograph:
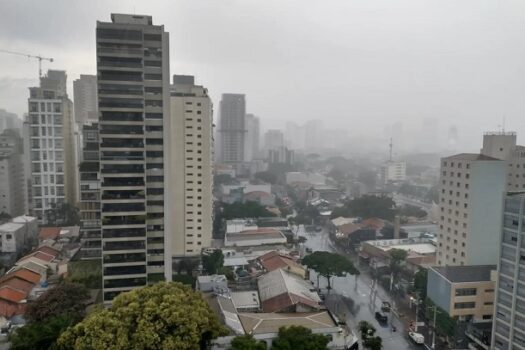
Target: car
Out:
[417,338]
[386,307]
[318,229]
[381,317]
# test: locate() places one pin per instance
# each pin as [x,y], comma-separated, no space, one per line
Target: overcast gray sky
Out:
[360,64]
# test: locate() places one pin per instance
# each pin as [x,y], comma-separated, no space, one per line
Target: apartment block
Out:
[273,139]
[393,171]
[472,187]
[85,97]
[52,144]
[464,292]
[89,201]
[252,137]
[12,177]
[502,145]
[232,128]
[509,315]
[191,148]
[134,119]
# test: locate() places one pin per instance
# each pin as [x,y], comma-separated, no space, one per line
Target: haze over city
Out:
[360,65]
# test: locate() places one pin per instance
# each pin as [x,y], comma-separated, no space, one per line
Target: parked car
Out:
[386,307]
[381,317]
[416,337]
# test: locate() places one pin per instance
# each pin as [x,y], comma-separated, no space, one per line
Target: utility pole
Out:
[434,330]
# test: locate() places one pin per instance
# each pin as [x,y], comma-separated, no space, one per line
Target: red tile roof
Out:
[49,232]
[39,255]
[28,275]
[48,250]
[375,223]
[17,283]
[284,302]
[12,295]
[273,261]
[349,228]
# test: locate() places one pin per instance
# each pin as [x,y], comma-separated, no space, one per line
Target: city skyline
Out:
[391,66]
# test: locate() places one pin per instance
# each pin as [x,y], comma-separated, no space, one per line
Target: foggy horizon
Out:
[360,66]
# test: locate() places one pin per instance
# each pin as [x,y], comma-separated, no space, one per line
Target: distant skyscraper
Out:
[12,179]
[252,137]
[508,330]
[471,197]
[273,139]
[313,134]
[9,121]
[85,98]
[133,103]
[53,155]
[502,145]
[295,136]
[232,128]
[191,169]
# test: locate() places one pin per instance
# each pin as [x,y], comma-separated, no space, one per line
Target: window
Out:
[465,305]
[461,292]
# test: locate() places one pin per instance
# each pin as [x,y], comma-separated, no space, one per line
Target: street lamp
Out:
[417,301]
[434,326]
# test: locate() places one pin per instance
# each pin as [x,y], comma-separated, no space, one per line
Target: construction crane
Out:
[39,58]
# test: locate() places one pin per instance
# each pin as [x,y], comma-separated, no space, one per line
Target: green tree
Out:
[247,342]
[244,210]
[298,337]
[212,263]
[166,315]
[368,206]
[62,214]
[368,337]
[65,298]
[222,179]
[420,282]
[266,176]
[397,258]
[329,265]
[412,210]
[40,335]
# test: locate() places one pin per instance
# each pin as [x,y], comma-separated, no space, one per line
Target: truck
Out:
[417,338]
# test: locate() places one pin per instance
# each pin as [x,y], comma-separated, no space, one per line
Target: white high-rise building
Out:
[9,121]
[134,124]
[190,172]
[393,171]
[12,179]
[52,144]
[472,187]
[85,98]
[252,137]
[295,136]
[502,145]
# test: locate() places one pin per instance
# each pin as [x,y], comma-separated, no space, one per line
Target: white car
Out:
[417,337]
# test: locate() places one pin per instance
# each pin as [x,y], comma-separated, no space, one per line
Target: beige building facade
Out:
[190,172]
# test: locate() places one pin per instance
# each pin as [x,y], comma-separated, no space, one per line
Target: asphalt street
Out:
[355,299]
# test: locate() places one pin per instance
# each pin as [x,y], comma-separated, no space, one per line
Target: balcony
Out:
[122,155]
[122,143]
[124,220]
[122,168]
[129,282]
[123,194]
[123,181]
[121,233]
[125,245]
[106,129]
[123,207]
[122,116]
[125,258]
[124,270]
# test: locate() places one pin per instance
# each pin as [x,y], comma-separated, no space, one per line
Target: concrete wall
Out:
[439,290]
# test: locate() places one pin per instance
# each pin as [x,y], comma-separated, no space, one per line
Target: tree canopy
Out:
[244,210]
[40,335]
[62,214]
[166,315]
[420,282]
[266,176]
[368,337]
[247,342]
[412,210]
[368,206]
[397,257]
[329,265]
[298,337]
[65,298]
[212,263]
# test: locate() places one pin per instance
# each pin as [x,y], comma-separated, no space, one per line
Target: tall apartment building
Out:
[232,128]
[133,95]
[393,171]
[273,139]
[85,97]
[12,177]
[52,144]
[508,330]
[471,199]
[502,145]
[191,170]
[89,201]
[252,137]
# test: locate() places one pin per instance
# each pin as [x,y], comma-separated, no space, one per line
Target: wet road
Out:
[355,300]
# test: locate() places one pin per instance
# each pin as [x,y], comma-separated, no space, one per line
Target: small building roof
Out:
[49,233]
[48,250]
[23,273]
[262,323]
[280,289]
[339,221]
[274,260]
[470,156]
[11,227]
[349,228]
[375,223]
[471,273]
[245,299]
[211,278]
[10,294]
[235,261]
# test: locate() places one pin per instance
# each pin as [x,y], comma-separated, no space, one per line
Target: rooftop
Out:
[274,260]
[473,273]
[470,156]
[262,323]
[49,233]
[10,227]
[246,299]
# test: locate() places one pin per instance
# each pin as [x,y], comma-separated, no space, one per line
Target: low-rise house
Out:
[254,237]
[282,291]
[212,283]
[16,236]
[246,301]
[274,260]
[464,292]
